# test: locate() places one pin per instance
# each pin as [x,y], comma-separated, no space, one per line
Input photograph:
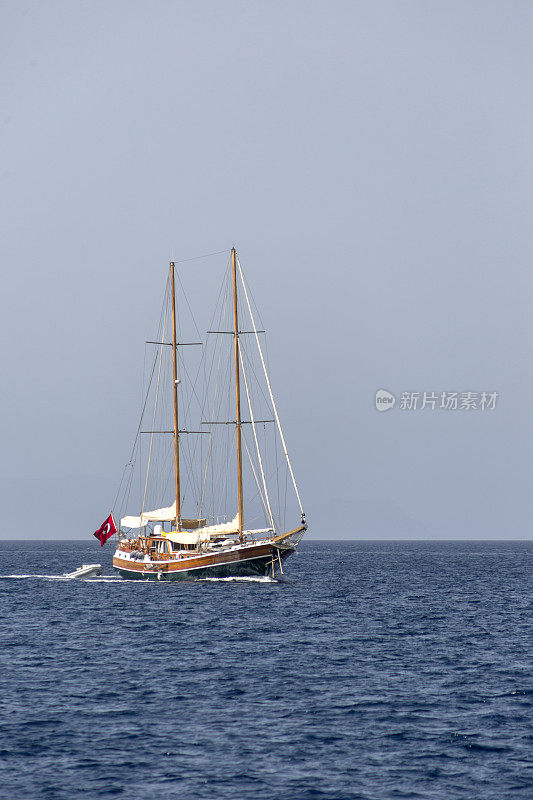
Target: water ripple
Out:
[372,671]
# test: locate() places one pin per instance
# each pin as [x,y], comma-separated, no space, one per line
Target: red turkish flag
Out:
[106,529]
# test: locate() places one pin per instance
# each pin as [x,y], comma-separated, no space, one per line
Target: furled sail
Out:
[223,527]
[187,537]
[203,534]
[160,515]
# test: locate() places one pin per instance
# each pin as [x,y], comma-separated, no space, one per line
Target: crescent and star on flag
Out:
[106,530]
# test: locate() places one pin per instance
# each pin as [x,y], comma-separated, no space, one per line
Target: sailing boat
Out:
[164,544]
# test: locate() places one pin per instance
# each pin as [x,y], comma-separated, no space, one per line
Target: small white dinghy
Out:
[85,571]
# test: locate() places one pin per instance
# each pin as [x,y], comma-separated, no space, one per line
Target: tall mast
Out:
[175,395]
[237,392]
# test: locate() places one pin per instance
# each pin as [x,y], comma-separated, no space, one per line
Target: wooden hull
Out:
[246,561]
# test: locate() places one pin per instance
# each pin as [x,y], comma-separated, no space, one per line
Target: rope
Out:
[256,443]
[131,461]
[270,389]
[153,428]
[196,258]
[259,492]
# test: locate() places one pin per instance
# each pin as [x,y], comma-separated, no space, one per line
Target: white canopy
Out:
[169,514]
[158,515]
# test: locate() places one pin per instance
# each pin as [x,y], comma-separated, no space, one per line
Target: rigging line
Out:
[269,477]
[217,380]
[127,493]
[160,331]
[190,455]
[186,378]
[252,369]
[160,454]
[220,500]
[197,258]
[194,478]
[217,350]
[222,380]
[270,391]
[222,302]
[259,492]
[254,304]
[227,441]
[285,502]
[277,478]
[126,484]
[161,323]
[204,456]
[194,384]
[249,361]
[214,375]
[142,412]
[207,461]
[187,301]
[257,384]
[256,443]
[125,498]
[207,374]
[185,372]
[215,445]
[120,485]
[201,455]
[203,459]
[153,426]
[223,288]
[258,312]
[165,468]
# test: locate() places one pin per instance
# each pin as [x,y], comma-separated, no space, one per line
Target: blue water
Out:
[374,670]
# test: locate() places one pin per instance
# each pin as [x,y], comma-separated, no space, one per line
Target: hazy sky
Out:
[371,161]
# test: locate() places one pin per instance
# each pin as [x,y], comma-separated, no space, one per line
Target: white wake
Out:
[242,578]
[101,579]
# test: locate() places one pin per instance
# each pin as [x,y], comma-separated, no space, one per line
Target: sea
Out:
[369,671]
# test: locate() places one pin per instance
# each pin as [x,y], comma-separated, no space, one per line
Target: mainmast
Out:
[175,396]
[237,393]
